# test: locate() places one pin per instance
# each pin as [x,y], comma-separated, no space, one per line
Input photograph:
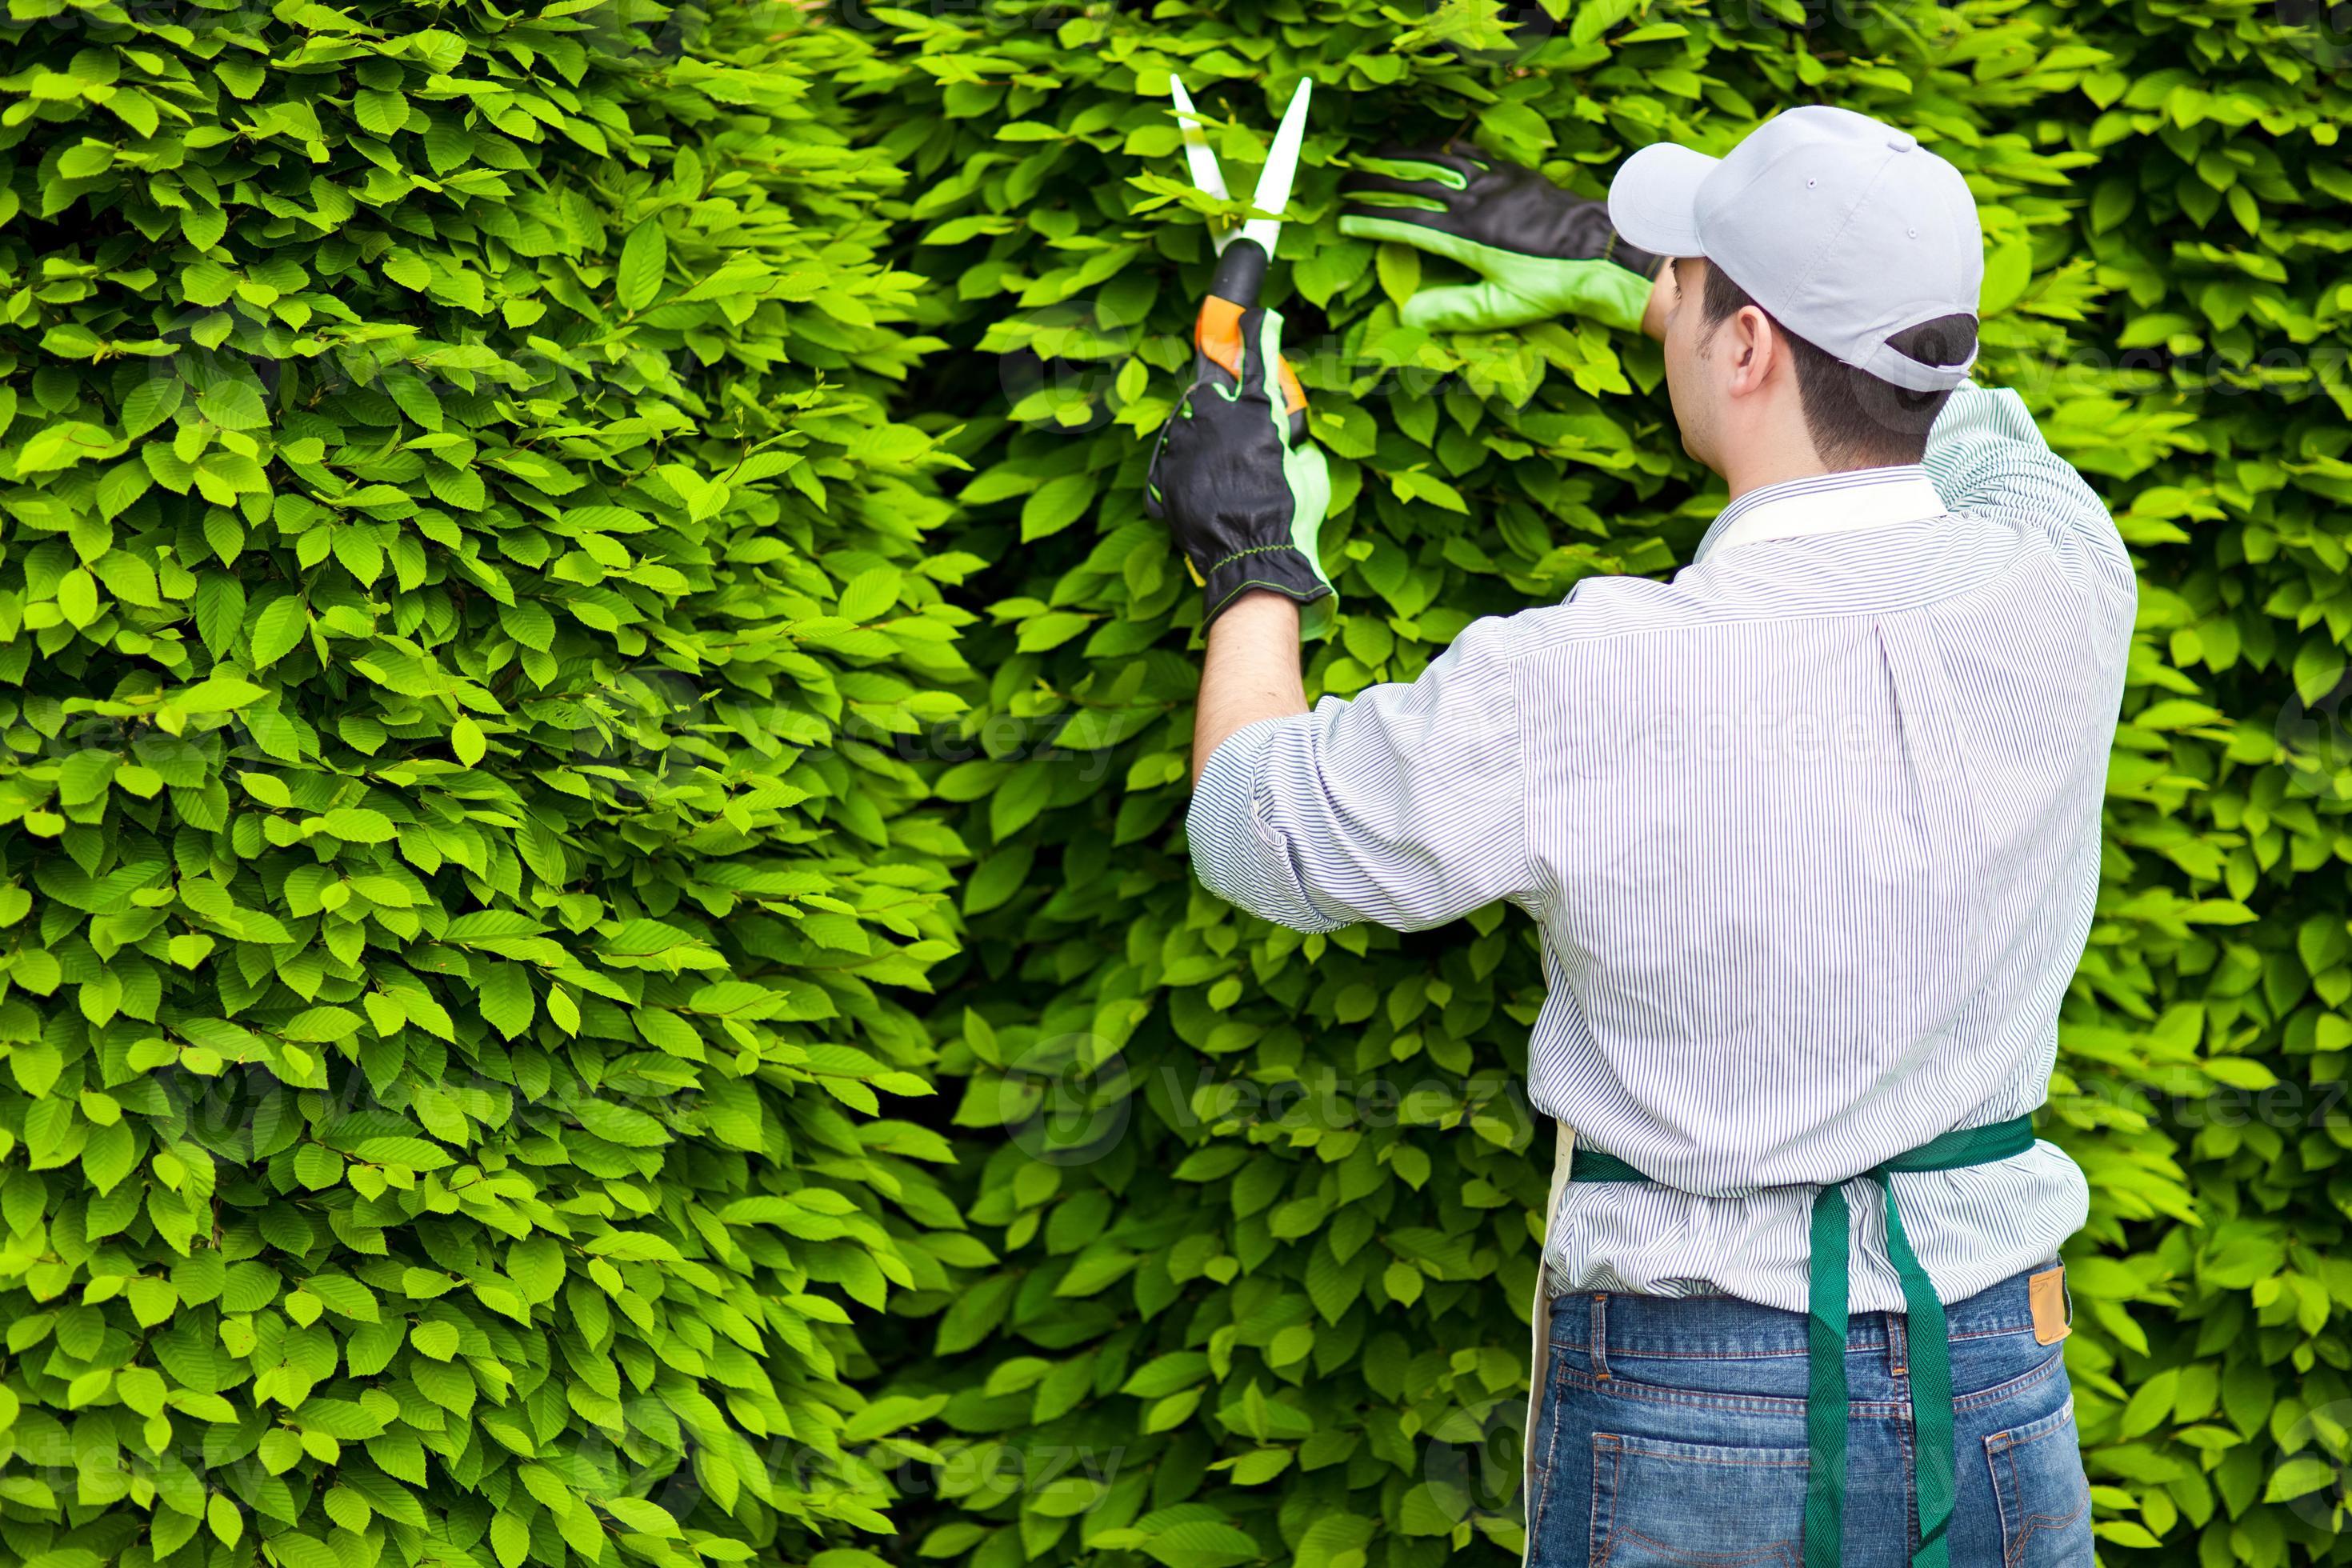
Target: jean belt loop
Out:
[1898,1331]
[1600,1335]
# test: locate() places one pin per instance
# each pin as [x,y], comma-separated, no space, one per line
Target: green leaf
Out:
[2318,666]
[644,259]
[507,1001]
[358,825]
[2299,1476]
[233,406]
[1399,271]
[1055,505]
[437,1339]
[278,630]
[219,694]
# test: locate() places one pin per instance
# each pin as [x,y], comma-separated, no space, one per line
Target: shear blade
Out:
[1206,175]
[1281,168]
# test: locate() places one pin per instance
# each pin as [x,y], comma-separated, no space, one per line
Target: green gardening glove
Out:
[1541,251]
[1236,479]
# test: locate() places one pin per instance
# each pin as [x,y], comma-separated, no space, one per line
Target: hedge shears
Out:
[1240,268]
[1242,488]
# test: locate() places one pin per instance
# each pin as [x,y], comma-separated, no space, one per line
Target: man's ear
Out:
[1753,349]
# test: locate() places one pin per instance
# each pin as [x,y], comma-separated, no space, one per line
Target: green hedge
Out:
[563,567]
[450,513]
[1264,1204]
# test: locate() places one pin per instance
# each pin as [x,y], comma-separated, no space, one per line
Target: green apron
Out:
[1929,1337]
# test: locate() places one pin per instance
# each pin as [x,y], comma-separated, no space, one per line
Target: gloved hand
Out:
[1234,476]
[1542,251]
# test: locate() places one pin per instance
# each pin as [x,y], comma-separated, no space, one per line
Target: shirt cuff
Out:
[1232,856]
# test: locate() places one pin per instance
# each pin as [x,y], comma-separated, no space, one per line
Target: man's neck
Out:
[1765,471]
[1772,464]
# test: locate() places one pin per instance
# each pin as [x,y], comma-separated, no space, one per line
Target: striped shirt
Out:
[1810,834]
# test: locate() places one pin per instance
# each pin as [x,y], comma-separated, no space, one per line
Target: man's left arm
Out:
[1405,806]
[1985,453]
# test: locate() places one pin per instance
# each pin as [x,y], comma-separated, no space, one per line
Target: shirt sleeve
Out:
[1405,806]
[1985,454]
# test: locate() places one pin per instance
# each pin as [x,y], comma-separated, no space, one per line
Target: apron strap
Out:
[1825,1387]
[1928,1338]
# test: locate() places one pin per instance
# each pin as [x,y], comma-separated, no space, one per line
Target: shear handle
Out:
[1217,334]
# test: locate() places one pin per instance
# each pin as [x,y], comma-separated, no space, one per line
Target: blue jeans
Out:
[1673,1432]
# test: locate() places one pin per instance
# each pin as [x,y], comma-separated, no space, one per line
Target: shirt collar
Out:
[1825,503]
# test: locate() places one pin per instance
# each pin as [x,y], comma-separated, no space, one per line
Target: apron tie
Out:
[1927,1330]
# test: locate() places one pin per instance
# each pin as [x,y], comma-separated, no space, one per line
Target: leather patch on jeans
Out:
[2047,1292]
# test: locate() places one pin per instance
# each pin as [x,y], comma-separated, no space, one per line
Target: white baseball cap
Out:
[1845,230]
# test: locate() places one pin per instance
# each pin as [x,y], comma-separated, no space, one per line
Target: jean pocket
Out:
[2044,1496]
[1655,1502]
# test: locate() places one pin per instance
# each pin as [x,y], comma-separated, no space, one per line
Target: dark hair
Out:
[1856,420]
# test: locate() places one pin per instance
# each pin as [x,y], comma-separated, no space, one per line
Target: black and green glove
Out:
[1238,482]
[1541,251]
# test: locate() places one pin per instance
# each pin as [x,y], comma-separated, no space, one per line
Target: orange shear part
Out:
[1218,335]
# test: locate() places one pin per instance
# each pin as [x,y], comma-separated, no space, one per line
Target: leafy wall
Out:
[505,722]
[458,574]
[1263,1205]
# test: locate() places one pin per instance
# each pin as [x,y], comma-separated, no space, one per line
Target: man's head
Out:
[1742,382]
[1824,293]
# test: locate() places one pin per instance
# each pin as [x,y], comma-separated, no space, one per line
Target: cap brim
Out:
[1653,200]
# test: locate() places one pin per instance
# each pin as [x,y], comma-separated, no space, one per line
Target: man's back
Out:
[1811,832]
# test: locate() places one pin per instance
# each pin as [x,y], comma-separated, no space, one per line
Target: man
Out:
[1810,834]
